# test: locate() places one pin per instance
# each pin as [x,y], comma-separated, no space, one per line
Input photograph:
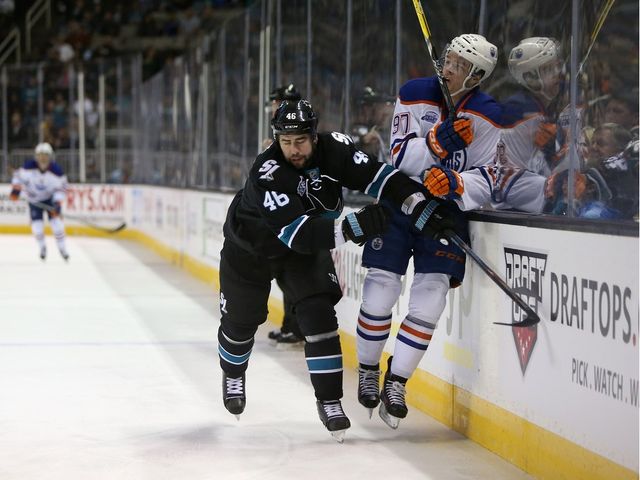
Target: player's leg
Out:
[37,228]
[311,284]
[437,268]
[57,225]
[290,333]
[426,303]
[245,283]
[380,292]
[387,258]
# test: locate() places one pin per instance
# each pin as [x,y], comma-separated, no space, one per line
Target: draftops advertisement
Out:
[576,372]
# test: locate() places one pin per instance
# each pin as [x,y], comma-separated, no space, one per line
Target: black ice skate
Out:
[233,394]
[274,334]
[333,417]
[289,340]
[43,253]
[369,386]
[65,255]
[393,407]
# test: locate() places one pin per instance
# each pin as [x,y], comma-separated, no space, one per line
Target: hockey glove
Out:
[366,223]
[431,218]
[443,182]
[324,196]
[15,194]
[448,137]
[545,135]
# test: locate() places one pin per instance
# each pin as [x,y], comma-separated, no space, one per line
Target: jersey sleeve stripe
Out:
[288,233]
[374,189]
[399,149]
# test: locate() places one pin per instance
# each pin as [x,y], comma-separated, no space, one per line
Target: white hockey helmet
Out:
[44,148]
[474,48]
[531,54]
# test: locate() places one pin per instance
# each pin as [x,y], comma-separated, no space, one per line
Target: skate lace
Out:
[395,392]
[235,386]
[333,409]
[369,381]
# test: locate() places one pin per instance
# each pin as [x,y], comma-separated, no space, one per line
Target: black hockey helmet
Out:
[286,92]
[293,117]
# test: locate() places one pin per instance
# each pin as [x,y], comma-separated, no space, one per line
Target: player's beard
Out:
[301,161]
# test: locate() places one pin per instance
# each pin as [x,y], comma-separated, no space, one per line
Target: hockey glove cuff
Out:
[365,224]
[431,218]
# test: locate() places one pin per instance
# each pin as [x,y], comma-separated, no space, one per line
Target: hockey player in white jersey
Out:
[423,135]
[532,140]
[41,180]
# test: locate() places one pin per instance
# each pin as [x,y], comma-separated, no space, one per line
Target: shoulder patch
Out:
[30,164]
[421,90]
[56,169]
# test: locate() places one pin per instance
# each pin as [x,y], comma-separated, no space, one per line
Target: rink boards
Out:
[559,400]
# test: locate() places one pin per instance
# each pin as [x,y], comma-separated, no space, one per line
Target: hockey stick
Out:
[51,209]
[422,19]
[531,317]
[596,30]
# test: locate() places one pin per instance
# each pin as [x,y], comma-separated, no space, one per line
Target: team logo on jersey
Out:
[313,173]
[524,273]
[302,187]
[267,169]
[377,243]
[430,117]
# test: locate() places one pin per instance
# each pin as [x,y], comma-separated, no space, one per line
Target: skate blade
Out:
[338,435]
[237,416]
[370,410]
[387,418]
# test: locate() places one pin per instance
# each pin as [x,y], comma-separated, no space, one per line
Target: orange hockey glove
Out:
[443,182]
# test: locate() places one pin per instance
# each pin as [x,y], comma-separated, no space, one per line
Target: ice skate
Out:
[369,386]
[64,255]
[332,416]
[274,334]
[233,394]
[393,407]
[43,253]
[289,340]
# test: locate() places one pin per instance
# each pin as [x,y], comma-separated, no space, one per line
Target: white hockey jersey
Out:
[522,116]
[38,186]
[419,107]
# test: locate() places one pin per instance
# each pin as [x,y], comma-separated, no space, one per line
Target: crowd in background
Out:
[95,36]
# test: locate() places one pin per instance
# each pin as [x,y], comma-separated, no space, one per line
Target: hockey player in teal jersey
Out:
[283,223]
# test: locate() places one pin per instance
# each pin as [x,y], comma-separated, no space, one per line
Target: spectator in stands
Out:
[607,186]
[18,135]
[371,132]
[622,109]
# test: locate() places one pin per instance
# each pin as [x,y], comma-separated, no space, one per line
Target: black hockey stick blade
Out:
[426,33]
[531,317]
[116,229]
[88,223]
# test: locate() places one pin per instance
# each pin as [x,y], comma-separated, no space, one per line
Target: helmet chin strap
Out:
[464,87]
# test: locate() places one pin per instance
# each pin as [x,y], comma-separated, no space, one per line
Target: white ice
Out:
[109,370]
